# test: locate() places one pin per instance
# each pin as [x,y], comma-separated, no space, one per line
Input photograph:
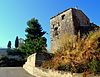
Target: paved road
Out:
[13,72]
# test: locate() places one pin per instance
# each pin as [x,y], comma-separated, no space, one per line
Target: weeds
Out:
[77,54]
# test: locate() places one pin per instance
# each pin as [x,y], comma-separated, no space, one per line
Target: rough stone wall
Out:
[29,66]
[60,24]
[81,22]
[70,21]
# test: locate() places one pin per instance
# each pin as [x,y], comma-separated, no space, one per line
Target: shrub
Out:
[63,67]
[10,62]
[78,52]
[94,65]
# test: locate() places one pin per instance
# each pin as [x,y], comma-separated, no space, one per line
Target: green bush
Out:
[93,65]
[63,67]
[98,69]
[81,68]
[10,62]
[14,52]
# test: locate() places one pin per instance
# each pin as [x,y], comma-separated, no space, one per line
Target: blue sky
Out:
[14,15]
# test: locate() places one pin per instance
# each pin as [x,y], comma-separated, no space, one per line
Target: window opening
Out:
[63,16]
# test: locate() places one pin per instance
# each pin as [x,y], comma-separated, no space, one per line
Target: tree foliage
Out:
[9,44]
[34,42]
[16,42]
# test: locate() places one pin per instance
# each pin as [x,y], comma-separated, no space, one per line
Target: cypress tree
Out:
[16,42]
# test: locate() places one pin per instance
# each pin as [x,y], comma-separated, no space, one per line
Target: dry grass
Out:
[76,51]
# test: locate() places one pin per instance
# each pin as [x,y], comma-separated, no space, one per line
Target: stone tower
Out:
[70,21]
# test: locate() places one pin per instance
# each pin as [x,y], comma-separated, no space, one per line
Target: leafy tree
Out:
[34,42]
[9,44]
[16,42]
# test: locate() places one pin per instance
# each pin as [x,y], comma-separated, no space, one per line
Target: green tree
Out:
[34,42]
[16,42]
[9,44]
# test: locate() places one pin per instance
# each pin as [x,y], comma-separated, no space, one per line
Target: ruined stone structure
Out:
[70,21]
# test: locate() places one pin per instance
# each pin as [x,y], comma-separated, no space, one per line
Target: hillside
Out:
[77,54]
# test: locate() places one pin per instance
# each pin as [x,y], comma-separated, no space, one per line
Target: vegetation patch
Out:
[77,54]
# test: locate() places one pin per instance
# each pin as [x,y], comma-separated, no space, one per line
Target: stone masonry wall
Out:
[29,66]
[63,23]
[70,21]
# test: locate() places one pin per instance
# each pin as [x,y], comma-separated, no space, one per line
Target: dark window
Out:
[53,25]
[55,31]
[63,16]
[56,28]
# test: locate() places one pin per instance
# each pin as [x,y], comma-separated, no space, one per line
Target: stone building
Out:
[21,42]
[70,21]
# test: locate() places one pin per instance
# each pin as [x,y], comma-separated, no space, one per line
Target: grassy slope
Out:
[77,54]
